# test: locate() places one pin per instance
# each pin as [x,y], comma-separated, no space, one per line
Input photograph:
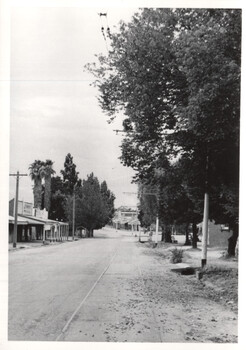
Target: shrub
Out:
[177,255]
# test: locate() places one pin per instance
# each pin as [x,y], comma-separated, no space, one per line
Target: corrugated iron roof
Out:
[42,221]
[20,220]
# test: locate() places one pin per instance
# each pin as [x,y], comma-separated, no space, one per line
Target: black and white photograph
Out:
[122,156]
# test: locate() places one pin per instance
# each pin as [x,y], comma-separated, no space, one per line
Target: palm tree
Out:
[40,171]
[36,173]
[48,171]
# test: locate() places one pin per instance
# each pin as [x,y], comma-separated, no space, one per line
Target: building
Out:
[218,235]
[80,232]
[126,218]
[33,224]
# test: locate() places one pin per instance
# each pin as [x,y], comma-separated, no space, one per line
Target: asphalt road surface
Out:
[108,289]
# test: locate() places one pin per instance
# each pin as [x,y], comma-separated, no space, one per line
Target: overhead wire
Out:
[105,32]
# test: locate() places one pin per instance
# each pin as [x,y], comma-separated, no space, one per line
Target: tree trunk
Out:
[163,234]
[37,192]
[47,192]
[187,239]
[90,233]
[194,234]
[232,241]
[167,234]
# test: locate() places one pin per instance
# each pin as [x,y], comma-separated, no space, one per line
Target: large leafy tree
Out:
[94,205]
[141,78]
[108,199]
[209,53]
[70,175]
[62,190]
[169,195]
[58,200]
[175,73]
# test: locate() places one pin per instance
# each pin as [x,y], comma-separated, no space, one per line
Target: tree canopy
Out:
[41,171]
[175,74]
[70,175]
[94,204]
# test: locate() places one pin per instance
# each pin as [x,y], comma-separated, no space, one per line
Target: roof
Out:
[130,221]
[134,221]
[20,220]
[126,209]
[34,220]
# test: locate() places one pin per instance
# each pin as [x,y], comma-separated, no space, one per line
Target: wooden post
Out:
[205,217]
[156,229]
[16,210]
[205,229]
[43,234]
[73,214]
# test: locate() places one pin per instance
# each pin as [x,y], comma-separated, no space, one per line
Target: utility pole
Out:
[205,220]
[16,206]
[156,230]
[205,229]
[74,210]
[157,214]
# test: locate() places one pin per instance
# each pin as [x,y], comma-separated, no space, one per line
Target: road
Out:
[105,289]
[50,287]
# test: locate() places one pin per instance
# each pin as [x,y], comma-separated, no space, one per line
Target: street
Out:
[109,288]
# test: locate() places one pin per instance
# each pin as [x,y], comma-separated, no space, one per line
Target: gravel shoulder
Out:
[205,309]
[140,299]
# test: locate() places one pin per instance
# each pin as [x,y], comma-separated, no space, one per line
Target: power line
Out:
[104,23]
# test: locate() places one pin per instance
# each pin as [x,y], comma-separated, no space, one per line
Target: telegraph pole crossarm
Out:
[16,205]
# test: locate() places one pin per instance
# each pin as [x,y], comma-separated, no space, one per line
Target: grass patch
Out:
[219,270]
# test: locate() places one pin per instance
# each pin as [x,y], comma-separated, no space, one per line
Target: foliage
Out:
[148,205]
[108,199]
[48,171]
[36,177]
[70,175]
[177,255]
[175,73]
[58,200]
[41,171]
[94,204]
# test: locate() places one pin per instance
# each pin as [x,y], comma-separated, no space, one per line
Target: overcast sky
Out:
[54,110]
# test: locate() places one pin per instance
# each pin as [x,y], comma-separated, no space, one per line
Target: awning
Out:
[32,220]
[37,221]
[20,220]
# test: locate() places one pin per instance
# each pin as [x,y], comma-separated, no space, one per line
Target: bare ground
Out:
[155,304]
[205,310]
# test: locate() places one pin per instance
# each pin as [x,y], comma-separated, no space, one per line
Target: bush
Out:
[177,255]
